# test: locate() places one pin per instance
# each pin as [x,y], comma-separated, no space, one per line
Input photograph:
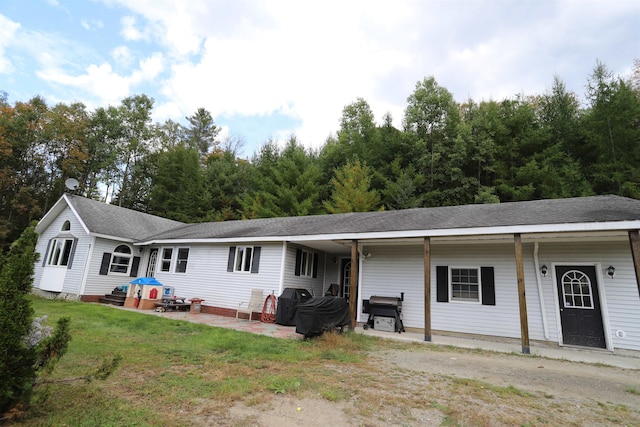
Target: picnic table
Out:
[172,304]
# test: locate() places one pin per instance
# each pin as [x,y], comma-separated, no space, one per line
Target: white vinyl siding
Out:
[313,285]
[98,284]
[395,269]
[207,276]
[73,275]
[621,304]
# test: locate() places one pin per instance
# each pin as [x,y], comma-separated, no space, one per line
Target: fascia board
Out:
[454,232]
[118,238]
[56,210]
[75,212]
[476,231]
[215,240]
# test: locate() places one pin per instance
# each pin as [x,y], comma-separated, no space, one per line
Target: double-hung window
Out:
[165,262]
[306,264]
[183,258]
[174,260]
[244,259]
[465,284]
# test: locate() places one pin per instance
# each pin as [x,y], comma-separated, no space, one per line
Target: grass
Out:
[180,373]
[169,366]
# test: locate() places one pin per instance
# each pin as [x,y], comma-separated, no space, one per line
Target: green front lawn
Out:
[170,367]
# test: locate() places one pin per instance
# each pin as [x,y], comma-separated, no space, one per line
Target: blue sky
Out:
[267,69]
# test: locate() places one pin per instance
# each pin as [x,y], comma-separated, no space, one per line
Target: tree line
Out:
[445,153]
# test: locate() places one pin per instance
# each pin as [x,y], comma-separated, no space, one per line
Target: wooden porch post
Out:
[524,323]
[634,240]
[427,289]
[353,284]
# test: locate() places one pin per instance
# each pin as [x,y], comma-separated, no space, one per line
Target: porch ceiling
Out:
[343,247]
[329,246]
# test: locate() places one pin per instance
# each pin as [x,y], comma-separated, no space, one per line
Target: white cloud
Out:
[310,59]
[91,24]
[8,29]
[130,32]
[150,69]
[309,62]
[122,56]
[103,82]
[98,80]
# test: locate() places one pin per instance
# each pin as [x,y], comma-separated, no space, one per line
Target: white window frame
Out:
[164,261]
[573,278]
[182,261]
[242,263]
[117,261]
[306,263]
[60,252]
[453,298]
[172,263]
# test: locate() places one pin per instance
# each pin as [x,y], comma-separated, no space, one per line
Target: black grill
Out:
[385,311]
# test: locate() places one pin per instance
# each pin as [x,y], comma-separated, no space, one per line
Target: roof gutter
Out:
[619,226]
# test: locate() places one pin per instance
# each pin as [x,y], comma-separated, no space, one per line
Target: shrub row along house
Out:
[561,271]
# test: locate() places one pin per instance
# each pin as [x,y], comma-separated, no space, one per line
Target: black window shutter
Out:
[134,266]
[315,266]
[298,261]
[232,258]
[255,265]
[46,253]
[442,283]
[488,286]
[72,253]
[104,266]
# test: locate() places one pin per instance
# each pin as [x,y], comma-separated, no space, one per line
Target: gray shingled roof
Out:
[540,212]
[111,220]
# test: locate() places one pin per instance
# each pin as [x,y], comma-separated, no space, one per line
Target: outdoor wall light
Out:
[544,270]
[611,271]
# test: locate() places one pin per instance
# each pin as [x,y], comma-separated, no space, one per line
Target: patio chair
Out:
[333,290]
[254,305]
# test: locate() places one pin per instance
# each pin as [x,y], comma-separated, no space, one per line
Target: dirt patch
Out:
[427,387]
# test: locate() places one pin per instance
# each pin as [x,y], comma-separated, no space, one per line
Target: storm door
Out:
[151,267]
[580,312]
[345,282]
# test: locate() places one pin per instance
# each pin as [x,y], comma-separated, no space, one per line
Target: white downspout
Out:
[324,273]
[87,265]
[282,267]
[543,310]
[360,263]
